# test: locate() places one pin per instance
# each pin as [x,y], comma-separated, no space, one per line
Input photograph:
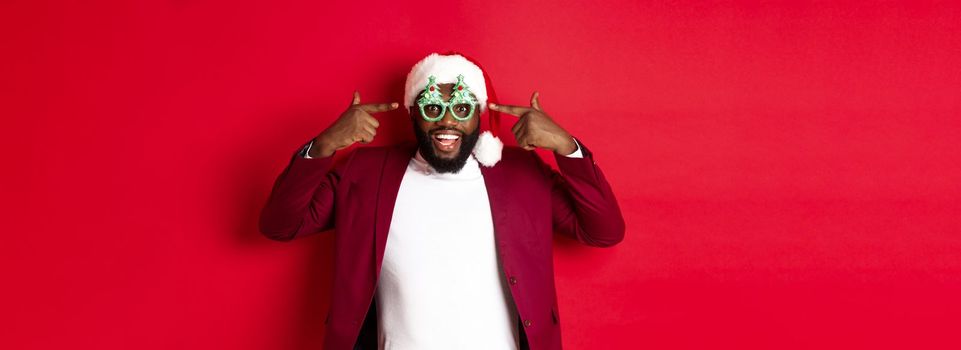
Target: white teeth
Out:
[447,137]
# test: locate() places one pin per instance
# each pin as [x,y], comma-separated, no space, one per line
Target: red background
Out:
[790,173]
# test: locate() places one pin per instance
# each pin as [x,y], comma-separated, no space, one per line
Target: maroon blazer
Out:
[529,203]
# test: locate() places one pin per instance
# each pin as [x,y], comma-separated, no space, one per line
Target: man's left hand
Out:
[536,129]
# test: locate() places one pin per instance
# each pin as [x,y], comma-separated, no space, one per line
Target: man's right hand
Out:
[355,124]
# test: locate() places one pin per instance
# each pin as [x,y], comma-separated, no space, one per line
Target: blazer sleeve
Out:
[582,202]
[301,202]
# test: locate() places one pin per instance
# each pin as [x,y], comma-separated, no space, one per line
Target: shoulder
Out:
[518,156]
[520,161]
[372,157]
[365,152]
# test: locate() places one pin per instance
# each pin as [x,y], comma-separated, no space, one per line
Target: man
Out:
[444,243]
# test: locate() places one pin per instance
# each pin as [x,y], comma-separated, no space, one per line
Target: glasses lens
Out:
[461,110]
[433,111]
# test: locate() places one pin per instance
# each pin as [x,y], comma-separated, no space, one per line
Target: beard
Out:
[443,165]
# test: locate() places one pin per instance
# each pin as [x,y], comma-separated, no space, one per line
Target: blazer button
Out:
[513,280]
[527,323]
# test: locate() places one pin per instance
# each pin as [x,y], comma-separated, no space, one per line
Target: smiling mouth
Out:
[446,141]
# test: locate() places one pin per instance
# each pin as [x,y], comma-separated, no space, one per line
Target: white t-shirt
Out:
[440,284]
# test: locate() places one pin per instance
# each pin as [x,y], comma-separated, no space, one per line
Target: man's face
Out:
[447,143]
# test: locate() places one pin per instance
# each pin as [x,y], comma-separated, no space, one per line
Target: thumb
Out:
[356,100]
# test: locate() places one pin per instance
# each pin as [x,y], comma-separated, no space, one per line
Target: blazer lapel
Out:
[499,198]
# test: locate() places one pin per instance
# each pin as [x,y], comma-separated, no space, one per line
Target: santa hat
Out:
[445,68]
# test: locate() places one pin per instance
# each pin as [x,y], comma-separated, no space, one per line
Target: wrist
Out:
[567,146]
[321,148]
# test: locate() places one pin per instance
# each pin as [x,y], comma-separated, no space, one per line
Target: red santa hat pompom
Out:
[445,68]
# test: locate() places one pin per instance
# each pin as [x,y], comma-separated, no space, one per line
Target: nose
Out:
[448,119]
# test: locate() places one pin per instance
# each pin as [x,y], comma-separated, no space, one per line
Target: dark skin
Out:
[534,127]
[448,121]
[355,124]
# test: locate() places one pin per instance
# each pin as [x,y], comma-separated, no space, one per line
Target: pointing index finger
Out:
[513,110]
[378,107]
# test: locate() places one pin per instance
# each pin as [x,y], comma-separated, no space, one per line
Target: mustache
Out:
[432,131]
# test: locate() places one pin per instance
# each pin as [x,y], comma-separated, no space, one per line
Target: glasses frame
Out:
[460,95]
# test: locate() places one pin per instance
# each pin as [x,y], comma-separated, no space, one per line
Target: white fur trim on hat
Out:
[445,68]
[488,149]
